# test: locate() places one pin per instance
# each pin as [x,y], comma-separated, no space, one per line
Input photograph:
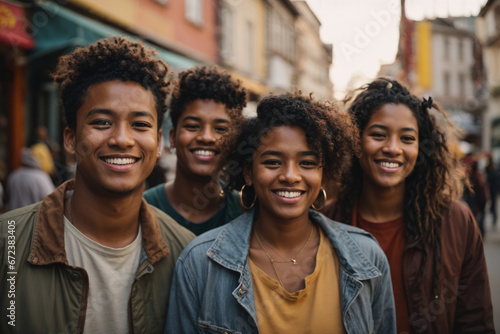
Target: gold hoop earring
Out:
[241,199]
[324,201]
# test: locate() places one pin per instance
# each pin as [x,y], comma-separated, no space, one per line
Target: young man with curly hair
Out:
[93,257]
[206,107]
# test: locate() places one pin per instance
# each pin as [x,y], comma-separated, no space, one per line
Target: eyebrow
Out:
[97,111]
[383,127]
[198,119]
[278,153]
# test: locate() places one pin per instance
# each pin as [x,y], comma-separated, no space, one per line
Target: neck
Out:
[381,204]
[194,197]
[284,235]
[112,221]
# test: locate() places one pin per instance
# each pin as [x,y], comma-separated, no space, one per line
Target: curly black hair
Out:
[207,83]
[113,58]
[435,182]
[329,130]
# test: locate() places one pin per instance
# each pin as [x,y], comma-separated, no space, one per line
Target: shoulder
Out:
[174,233]
[20,214]
[343,233]
[198,247]
[152,195]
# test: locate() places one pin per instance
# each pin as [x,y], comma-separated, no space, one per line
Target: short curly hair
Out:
[207,83]
[113,58]
[329,130]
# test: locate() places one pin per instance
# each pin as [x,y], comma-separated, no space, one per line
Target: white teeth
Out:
[288,194]
[204,152]
[119,161]
[389,164]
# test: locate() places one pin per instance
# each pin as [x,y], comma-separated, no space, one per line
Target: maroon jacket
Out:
[463,303]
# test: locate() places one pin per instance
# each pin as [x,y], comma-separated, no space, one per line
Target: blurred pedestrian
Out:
[281,267]
[93,256]
[478,195]
[28,184]
[493,178]
[405,190]
[206,106]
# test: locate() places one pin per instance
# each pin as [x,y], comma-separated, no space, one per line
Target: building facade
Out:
[314,58]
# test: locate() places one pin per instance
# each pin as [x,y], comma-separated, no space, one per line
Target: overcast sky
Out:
[364,33]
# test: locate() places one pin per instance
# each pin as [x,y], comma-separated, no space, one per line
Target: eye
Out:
[377,135]
[408,139]
[191,127]
[221,129]
[271,163]
[143,125]
[309,163]
[101,123]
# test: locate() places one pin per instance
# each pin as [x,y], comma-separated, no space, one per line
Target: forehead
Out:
[284,138]
[119,96]
[393,116]
[206,110]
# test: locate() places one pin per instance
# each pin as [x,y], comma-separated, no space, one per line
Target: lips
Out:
[389,164]
[288,194]
[205,153]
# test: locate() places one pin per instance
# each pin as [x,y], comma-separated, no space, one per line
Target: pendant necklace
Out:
[292,260]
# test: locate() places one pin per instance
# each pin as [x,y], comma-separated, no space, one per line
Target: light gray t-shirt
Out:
[111,274]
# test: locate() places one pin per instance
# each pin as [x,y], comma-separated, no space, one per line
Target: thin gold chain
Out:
[293,260]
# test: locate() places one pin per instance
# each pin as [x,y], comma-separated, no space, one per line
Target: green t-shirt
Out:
[229,210]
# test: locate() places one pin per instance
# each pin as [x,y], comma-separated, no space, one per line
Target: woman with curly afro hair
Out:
[206,107]
[404,189]
[283,267]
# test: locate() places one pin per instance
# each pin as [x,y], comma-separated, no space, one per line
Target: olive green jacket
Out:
[41,293]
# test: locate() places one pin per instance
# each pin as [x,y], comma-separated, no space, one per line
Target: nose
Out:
[393,146]
[206,135]
[122,136]
[290,174]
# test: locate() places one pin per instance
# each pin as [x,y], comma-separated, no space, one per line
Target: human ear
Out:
[171,135]
[69,141]
[247,174]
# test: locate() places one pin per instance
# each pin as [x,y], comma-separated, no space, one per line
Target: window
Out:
[194,11]
[460,50]
[461,85]
[446,84]
[227,28]
[250,47]
[446,48]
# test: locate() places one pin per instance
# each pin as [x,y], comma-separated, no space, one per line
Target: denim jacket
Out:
[212,289]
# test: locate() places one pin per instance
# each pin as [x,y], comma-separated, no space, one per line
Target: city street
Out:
[492,252]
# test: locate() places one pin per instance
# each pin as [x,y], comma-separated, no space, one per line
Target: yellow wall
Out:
[423,66]
[119,11]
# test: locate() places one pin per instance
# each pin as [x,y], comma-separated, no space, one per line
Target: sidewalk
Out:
[492,253]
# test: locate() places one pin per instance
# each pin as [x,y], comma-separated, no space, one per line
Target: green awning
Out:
[66,30]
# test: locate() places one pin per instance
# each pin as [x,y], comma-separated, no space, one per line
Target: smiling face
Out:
[200,128]
[116,140]
[389,146]
[286,174]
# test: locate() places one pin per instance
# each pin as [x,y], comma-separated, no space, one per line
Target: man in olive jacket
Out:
[93,257]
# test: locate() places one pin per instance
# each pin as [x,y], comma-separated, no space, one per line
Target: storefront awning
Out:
[13,27]
[66,29]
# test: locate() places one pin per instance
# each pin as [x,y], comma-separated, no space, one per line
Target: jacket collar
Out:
[47,245]
[230,248]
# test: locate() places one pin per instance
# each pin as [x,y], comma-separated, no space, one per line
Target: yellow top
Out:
[315,309]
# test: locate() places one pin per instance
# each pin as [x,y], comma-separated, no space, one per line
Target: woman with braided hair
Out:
[404,189]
